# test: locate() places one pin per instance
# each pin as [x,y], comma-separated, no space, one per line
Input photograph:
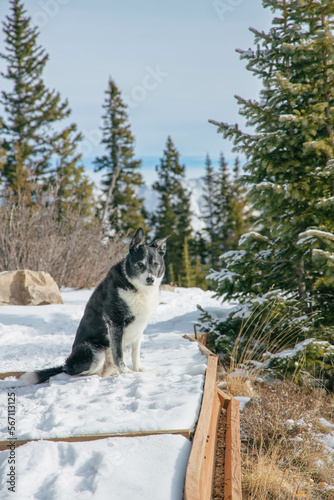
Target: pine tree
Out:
[31,112]
[121,207]
[225,209]
[74,190]
[209,212]
[173,213]
[290,159]
[221,207]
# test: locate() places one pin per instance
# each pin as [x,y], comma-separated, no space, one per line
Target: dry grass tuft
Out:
[264,479]
[282,455]
[237,385]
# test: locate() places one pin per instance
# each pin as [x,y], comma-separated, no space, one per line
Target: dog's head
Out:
[144,264]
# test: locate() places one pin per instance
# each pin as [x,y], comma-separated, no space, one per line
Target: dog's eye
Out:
[155,265]
[140,265]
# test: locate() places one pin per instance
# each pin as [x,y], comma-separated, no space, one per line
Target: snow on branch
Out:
[324,202]
[233,255]
[222,275]
[317,252]
[309,235]
[252,235]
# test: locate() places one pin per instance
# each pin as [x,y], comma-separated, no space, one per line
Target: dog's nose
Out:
[149,280]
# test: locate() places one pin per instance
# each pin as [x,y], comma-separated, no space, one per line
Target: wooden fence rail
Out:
[79,438]
[201,465]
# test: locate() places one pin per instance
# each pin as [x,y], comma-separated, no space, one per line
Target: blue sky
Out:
[174,62]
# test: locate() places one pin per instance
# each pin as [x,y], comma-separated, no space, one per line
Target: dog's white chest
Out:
[142,305]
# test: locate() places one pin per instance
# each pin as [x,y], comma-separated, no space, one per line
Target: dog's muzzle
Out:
[149,280]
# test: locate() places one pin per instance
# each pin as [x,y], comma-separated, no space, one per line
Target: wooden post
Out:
[232,486]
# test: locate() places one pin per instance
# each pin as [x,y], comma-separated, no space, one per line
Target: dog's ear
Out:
[160,245]
[137,240]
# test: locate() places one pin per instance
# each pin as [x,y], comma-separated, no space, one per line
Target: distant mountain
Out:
[194,186]
[151,197]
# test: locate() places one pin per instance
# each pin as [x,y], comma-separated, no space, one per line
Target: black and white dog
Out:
[116,315]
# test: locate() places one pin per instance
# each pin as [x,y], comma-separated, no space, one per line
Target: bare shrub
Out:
[70,247]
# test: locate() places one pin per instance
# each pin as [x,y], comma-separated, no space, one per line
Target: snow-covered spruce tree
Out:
[121,208]
[31,135]
[290,166]
[173,214]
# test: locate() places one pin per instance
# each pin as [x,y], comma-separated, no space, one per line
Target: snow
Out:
[323,202]
[307,235]
[252,235]
[167,396]
[323,253]
[243,401]
[222,275]
[325,422]
[287,353]
[148,467]
[233,255]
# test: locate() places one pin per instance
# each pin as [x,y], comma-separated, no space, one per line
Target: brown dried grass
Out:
[286,460]
[282,454]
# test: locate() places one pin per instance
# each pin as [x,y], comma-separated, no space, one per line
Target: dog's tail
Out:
[40,376]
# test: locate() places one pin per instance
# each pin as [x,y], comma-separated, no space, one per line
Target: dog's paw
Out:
[140,369]
[110,373]
[125,369]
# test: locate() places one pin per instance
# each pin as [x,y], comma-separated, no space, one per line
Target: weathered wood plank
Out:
[223,398]
[201,337]
[201,346]
[211,448]
[232,487]
[199,476]
[10,374]
[93,437]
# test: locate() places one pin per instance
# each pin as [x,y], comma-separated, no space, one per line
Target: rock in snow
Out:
[28,288]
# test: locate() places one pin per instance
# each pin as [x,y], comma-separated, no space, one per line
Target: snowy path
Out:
[166,396]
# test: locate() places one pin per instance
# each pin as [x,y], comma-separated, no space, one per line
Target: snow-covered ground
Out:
[136,468]
[166,396]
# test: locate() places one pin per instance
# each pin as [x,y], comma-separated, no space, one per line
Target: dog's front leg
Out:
[116,335]
[136,355]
